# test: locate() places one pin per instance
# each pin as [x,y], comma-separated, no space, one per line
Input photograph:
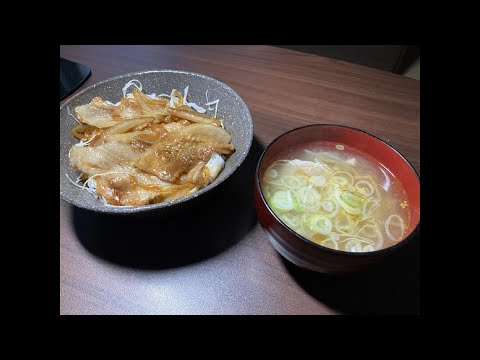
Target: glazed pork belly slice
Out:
[102,158]
[101,114]
[126,186]
[175,155]
[96,113]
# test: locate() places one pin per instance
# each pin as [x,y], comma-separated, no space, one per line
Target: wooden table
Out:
[218,260]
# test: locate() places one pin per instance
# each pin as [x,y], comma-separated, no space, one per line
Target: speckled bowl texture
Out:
[231,110]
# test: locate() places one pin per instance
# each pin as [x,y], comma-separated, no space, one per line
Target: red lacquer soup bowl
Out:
[307,254]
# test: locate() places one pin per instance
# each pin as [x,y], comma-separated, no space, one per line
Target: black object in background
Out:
[72,75]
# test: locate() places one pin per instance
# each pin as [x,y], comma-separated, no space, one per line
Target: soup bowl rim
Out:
[379,252]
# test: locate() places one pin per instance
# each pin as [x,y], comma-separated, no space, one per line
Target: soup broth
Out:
[338,197]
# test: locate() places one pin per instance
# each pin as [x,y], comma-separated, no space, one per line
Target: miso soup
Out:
[337,196]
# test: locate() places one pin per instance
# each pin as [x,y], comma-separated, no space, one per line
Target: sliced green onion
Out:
[353,245]
[343,178]
[294,182]
[320,224]
[271,173]
[351,236]
[352,203]
[308,198]
[343,223]
[319,180]
[373,182]
[307,232]
[328,191]
[379,243]
[296,205]
[399,223]
[369,231]
[368,248]
[282,200]
[334,236]
[290,220]
[370,206]
[365,188]
[335,211]
[328,206]
[330,243]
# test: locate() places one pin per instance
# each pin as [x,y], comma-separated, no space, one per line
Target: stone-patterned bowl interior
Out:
[231,110]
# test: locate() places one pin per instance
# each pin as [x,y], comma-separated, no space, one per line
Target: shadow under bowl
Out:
[232,111]
[307,254]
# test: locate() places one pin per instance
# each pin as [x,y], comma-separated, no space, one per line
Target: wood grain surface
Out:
[214,258]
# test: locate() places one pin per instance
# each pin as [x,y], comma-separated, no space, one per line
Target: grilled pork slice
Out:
[102,158]
[148,135]
[124,185]
[176,154]
[100,114]
[96,113]
[205,133]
